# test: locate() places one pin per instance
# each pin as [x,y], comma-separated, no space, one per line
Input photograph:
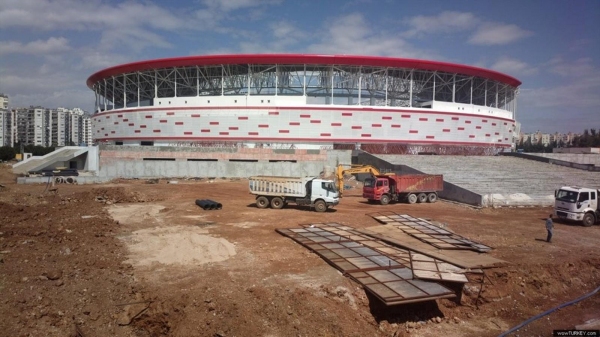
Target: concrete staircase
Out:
[38,163]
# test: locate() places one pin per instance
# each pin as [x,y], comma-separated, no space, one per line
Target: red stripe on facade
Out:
[233,128]
[336,124]
[497,133]
[467,122]
[101,128]
[294,123]
[445,130]
[439,119]
[274,113]
[148,116]
[112,132]
[493,124]
[430,137]
[187,132]
[243,118]
[130,124]
[116,123]
[205,130]
[156,131]
[471,136]
[178,123]
[365,135]
[263,125]
[163,120]
[376,125]
[107,117]
[346,113]
[461,129]
[304,116]
[315,121]
[478,127]
[484,120]
[252,133]
[423,119]
[454,118]
[413,131]
[505,138]
[142,126]
[195,115]
[224,133]
[386,117]
[284,131]
[214,123]
[405,116]
[395,125]
[356,127]
[120,116]
[125,120]
[488,135]
[170,113]
[136,131]
[326,135]
[505,123]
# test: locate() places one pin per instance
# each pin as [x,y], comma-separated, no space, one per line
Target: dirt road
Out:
[136,259]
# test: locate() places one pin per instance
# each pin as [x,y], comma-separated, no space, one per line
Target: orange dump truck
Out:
[407,187]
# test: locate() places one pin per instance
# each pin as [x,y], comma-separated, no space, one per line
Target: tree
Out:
[7,153]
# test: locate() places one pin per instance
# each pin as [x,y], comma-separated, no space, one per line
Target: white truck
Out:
[308,191]
[578,204]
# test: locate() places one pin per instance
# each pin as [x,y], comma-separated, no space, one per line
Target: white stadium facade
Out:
[304,101]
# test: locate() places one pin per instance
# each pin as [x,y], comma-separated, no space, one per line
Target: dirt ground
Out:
[131,258]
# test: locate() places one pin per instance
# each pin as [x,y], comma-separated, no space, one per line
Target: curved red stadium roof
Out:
[354,60]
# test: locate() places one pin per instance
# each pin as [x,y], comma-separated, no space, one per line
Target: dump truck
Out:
[577,204]
[406,187]
[277,192]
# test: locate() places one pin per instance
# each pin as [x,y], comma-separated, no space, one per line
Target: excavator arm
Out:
[341,170]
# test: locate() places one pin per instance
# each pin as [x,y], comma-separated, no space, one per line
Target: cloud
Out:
[513,67]
[445,22]
[52,45]
[582,67]
[498,34]
[231,5]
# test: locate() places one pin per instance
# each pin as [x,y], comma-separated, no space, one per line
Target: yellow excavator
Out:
[343,169]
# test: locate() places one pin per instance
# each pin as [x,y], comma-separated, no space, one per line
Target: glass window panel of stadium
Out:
[321,84]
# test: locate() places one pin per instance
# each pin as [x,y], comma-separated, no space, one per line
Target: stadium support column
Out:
[124,91]
[410,103]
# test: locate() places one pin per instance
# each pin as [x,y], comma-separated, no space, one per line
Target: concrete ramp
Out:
[496,180]
[59,156]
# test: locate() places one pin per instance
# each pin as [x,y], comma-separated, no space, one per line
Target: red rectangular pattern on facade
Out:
[116,123]
[106,134]
[445,130]
[101,128]
[356,127]
[439,119]
[471,136]
[112,132]
[505,138]
[387,117]
[413,131]
[205,130]
[130,124]
[347,114]
[423,119]
[284,131]
[376,125]
[214,123]
[493,124]
[107,117]
[178,123]
[119,115]
[263,125]
[125,120]
[430,137]
[242,118]
[478,127]
[224,133]
[187,132]
[325,134]
[405,116]
[163,120]
[454,118]
[274,113]
[505,123]
[142,126]
[304,116]
[467,122]
[365,135]
[484,120]
[315,121]
[148,116]
[461,129]
[488,135]
[233,128]
[497,133]
[170,113]
[336,124]
[395,125]
[156,131]
[137,131]
[196,115]
[294,123]
[252,133]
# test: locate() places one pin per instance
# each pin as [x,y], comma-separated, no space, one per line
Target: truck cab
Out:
[577,204]
[323,189]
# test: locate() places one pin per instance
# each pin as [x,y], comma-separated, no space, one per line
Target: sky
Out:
[48,48]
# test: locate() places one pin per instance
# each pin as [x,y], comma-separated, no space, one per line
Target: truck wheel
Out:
[588,219]
[320,206]
[432,197]
[385,199]
[412,198]
[262,202]
[277,203]
[422,197]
